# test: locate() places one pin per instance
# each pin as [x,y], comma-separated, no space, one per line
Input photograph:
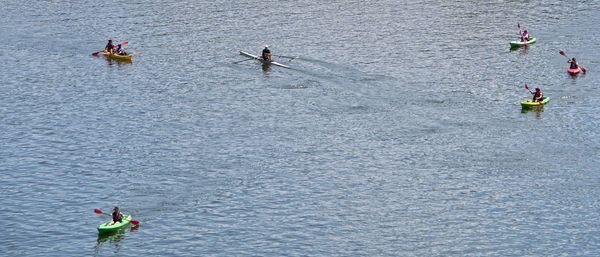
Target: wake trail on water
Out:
[344,77]
[344,88]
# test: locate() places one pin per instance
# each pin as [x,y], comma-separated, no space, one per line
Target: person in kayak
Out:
[117,216]
[266,54]
[120,50]
[573,63]
[538,95]
[524,36]
[110,47]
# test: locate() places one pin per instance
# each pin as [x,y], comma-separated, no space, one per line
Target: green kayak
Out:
[529,103]
[109,227]
[519,43]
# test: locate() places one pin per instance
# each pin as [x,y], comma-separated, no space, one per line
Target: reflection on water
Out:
[117,62]
[538,110]
[523,50]
[112,61]
[113,239]
[574,76]
[266,68]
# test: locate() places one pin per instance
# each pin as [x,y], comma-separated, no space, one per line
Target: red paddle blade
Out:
[137,53]
[562,53]
[583,69]
[98,211]
[124,43]
[95,53]
[526,87]
[135,222]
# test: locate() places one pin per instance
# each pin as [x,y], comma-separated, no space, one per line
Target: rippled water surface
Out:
[397,131]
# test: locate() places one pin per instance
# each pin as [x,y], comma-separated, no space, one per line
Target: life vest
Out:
[573,65]
[538,95]
[117,216]
[109,47]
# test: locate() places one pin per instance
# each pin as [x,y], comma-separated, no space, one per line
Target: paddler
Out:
[524,36]
[266,54]
[573,63]
[110,47]
[538,95]
[120,50]
[117,216]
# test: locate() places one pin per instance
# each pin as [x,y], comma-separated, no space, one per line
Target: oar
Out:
[561,52]
[290,57]
[244,60]
[98,211]
[519,26]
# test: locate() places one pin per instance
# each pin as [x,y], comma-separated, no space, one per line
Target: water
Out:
[398,131]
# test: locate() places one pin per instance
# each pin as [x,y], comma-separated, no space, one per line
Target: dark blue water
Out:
[397,131]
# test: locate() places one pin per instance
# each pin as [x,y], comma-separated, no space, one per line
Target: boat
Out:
[519,43]
[110,227]
[263,60]
[530,103]
[574,71]
[113,237]
[118,56]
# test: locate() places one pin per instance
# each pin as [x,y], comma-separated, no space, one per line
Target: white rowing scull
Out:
[263,60]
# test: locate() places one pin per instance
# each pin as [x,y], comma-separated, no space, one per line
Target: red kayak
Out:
[574,71]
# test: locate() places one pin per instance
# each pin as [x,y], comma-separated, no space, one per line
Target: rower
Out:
[266,54]
[110,47]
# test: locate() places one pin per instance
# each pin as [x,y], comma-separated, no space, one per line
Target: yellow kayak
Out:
[529,103]
[118,56]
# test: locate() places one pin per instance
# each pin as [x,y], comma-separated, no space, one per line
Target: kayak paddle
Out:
[561,52]
[526,87]
[98,211]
